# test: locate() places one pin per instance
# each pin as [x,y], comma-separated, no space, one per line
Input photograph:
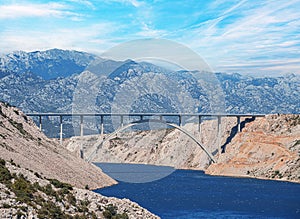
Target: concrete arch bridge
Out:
[161,118]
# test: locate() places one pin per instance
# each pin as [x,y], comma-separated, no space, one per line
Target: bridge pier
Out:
[238,123]
[219,135]
[180,120]
[122,121]
[102,126]
[81,125]
[199,124]
[40,122]
[61,130]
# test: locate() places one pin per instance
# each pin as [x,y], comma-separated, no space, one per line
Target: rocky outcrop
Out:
[269,147]
[25,194]
[22,142]
[167,147]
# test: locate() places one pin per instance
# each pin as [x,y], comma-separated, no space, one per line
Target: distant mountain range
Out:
[46,81]
[49,64]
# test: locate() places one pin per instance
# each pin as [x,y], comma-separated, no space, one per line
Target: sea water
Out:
[193,194]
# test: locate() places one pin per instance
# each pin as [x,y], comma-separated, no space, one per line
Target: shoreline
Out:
[266,148]
[204,171]
[254,177]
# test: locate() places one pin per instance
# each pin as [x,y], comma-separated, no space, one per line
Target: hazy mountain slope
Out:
[155,89]
[21,141]
[33,93]
[261,95]
[48,64]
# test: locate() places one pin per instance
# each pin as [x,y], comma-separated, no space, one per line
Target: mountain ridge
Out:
[48,64]
[150,88]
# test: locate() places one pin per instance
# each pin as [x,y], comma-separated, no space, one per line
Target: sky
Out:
[254,37]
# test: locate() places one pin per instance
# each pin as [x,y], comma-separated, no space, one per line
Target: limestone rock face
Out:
[54,200]
[167,147]
[22,142]
[269,147]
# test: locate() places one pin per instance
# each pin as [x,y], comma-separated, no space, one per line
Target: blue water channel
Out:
[171,193]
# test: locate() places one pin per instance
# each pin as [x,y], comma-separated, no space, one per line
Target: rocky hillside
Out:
[70,81]
[269,147]
[25,194]
[266,95]
[52,81]
[22,142]
[48,64]
[160,147]
[41,179]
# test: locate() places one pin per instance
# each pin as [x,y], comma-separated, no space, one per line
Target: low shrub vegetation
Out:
[111,212]
[31,194]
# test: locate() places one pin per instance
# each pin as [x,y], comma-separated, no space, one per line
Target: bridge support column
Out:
[81,153]
[199,124]
[219,135]
[122,121]
[81,125]
[238,123]
[61,130]
[180,120]
[40,122]
[102,126]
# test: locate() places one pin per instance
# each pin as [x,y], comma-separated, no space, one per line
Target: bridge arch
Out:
[99,144]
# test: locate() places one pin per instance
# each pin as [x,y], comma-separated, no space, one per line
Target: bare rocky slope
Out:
[268,147]
[41,179]
[22,142]
[160,147]
[24,194]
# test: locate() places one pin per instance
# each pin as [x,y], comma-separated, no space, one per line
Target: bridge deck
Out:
[145,114]
[141,115]
[142,118]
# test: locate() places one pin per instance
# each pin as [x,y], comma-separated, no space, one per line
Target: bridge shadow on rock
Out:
[234,131]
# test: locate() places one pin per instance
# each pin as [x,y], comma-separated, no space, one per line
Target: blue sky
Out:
[246,36]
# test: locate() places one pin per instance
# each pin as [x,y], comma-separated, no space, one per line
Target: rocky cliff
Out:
[41,179]
[168,147]
[24,194]
[22,142]
[269,147]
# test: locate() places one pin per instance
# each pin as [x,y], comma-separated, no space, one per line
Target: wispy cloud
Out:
[134,3]
[236,35]
[86,3]
[148,32]
[90,38]
[13,11]
[266,34]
